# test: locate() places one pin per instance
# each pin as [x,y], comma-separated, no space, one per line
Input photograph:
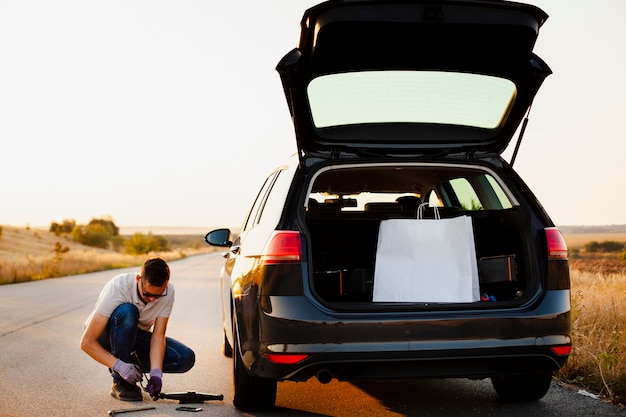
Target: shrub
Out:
[66,227]
[108,224]
[94,235]
[99,233]
[140,244]
[606,246]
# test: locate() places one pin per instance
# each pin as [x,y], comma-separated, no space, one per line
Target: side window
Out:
[465,194]
[476,192]
[499,193]
[257,208]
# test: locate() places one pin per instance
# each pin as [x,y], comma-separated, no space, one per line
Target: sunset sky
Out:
[170,113]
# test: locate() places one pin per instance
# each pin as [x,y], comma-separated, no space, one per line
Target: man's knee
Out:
[125,314]
[188,359]
[179,359]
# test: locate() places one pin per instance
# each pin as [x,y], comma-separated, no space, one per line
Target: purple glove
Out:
[127,371]
[155,383]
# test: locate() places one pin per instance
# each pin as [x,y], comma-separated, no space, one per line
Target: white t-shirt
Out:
[123,289]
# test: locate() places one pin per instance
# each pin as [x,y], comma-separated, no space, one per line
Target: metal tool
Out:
[191,397]
[129,410]
[135,359]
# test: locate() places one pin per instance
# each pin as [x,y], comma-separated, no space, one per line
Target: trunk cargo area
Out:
[344,243]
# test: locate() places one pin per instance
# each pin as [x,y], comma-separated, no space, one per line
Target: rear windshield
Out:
[403,188]
[426,97]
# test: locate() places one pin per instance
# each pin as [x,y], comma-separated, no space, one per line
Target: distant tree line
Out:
[104,233]
[606,246]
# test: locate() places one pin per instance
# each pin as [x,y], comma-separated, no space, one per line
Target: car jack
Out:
[191,397]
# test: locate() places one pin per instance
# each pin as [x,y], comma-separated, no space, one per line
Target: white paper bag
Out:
[426,260]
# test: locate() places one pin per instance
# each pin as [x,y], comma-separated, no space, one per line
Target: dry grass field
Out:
[597,363]
[598,359]
[31,254]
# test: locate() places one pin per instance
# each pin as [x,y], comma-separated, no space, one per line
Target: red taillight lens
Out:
[284,246]
[561,350]
[557,249]
[286,359]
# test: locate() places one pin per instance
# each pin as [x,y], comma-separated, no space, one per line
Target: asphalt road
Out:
[44,373]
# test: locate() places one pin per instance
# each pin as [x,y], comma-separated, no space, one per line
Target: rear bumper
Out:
[461,344]
[444,364]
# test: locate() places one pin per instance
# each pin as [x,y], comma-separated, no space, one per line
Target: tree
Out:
[140,244]
[98,233]
[108,224]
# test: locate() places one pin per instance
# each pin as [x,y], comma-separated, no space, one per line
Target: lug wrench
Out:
[129,410]
[135,359]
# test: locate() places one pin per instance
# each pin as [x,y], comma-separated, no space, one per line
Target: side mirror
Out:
[218,237]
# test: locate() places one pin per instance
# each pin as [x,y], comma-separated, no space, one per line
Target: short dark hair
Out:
[155,271]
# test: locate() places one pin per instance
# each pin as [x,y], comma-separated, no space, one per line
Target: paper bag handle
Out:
[420,211]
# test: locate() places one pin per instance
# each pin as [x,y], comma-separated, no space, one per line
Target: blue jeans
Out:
[122,336]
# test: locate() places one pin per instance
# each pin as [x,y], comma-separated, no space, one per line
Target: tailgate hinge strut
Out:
[519,138]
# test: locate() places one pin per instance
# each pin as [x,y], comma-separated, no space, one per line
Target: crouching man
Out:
[131,314]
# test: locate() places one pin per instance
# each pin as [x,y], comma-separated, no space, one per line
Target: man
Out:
[131,314]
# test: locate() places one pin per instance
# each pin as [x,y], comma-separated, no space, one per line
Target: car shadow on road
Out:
[450,397]
[424,398]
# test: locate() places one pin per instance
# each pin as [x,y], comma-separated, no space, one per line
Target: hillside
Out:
[29,254]
[22,242]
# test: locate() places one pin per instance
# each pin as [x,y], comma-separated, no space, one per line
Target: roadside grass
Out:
[598,359]
[32,268]
[31,254]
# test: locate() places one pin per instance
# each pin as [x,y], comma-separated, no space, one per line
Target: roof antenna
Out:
[519,138]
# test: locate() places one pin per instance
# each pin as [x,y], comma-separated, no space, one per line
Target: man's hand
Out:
[127,371]
[155,383]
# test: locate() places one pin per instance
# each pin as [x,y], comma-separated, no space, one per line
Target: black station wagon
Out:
[399,105]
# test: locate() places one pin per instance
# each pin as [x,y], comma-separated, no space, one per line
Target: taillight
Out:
[558,266]
[287,359]
[561,350]
[557,249]
[284,246]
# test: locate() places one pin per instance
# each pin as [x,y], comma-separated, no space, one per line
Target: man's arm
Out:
[157,353]
[89,342]
[157,343]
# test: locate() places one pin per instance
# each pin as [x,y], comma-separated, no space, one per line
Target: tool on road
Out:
[129,410]
[191,397]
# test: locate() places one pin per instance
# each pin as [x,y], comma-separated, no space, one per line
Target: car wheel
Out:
[523,387]
[250,392]
[227,349]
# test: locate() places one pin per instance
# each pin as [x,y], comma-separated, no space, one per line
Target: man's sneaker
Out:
[125,391]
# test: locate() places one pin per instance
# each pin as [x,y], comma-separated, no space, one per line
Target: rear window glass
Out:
[410,97]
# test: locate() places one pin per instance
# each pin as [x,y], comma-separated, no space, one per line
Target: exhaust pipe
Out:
[324,376]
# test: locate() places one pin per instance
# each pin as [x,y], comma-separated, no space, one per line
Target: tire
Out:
[227,349]
[250,393]
[522,387]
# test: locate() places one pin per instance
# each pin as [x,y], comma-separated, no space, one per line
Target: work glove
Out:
[128,371]
[155,383]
